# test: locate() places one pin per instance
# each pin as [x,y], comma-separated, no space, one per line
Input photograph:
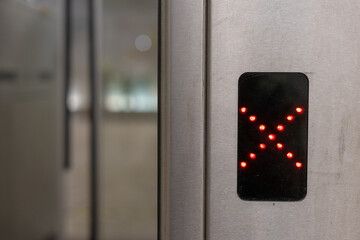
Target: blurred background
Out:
[61,64]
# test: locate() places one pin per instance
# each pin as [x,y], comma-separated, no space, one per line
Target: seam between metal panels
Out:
[164,109]
[159,218]
[206,55]
[205,28]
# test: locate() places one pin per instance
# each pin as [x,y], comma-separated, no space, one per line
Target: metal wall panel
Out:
[320,38]
[182,110]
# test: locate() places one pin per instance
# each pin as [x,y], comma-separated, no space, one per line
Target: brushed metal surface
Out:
[322,39]
[182,120]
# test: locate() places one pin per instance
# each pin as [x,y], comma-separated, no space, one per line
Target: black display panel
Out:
[272,136]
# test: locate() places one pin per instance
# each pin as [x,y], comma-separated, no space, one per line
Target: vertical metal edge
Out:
[94,8]
[163,122]
[206,56]
[159,30]
[61,99]
[182,94]
[67,75]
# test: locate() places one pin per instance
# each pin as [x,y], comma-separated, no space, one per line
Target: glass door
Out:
[127,174]
[30,119]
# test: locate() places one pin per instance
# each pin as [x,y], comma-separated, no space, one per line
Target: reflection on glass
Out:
[30,106]
[129,93]
[128,162]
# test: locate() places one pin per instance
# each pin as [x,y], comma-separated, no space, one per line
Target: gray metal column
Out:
[182,107]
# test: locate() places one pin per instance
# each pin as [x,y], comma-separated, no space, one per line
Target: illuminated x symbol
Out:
[271,136]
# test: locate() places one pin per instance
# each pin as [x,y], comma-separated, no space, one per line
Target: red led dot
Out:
[280,146]
[252,118]
[252,155]
[243,164]
[299,110]
[289,155]
[243,110]
[298,164]
[280,128]
[262,146]
[272,137]
[262,127]
[290,118]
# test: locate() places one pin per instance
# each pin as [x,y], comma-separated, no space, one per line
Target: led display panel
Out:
[272,136]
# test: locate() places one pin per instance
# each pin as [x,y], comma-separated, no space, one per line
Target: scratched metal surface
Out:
[322,39]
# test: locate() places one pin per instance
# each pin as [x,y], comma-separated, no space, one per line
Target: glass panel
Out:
[128,161]
[30,119]
[77,180]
